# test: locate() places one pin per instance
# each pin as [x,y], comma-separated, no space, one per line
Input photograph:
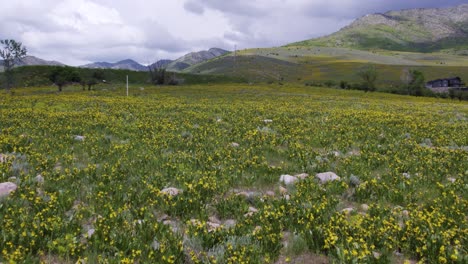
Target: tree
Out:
[62,76]
[157,74]
[417,84]
[96,77]
[368,75]
[11,53]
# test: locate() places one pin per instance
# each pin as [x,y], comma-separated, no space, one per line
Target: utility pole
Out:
[127,85]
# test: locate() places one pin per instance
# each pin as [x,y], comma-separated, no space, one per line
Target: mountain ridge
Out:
[419,30]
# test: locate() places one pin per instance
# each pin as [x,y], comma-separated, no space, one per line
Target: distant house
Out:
[455,82]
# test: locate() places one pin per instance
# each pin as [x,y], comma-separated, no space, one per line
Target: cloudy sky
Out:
[80,31]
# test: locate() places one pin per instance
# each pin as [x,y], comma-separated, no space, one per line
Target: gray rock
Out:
[327,177]
[288,179]
[39,179]
[79,138]
[230,223]
[302,176]
[365,207]
[6,188]
[171,191]
[235,145]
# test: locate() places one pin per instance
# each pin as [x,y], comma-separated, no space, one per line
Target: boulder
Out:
[282,190]
[171,191]
[235,145]
[79,138]
[6,188]
[288,179]
[230,223]
[39,179]
[327,176]
[302,176]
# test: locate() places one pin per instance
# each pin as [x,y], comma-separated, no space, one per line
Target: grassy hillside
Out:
[420,30]
[319,64]
[93,169]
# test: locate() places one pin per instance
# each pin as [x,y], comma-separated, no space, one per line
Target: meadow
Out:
[191,174]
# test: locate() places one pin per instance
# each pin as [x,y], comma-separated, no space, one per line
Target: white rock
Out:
[376,254]
[214,219]
[6,188]
[230,223]
[452,180]
[39,179]
[79,138]
[171,191]
[266,121]
[327,176]
[302,176]
[253,210]
[91,232]
[270,193]
[283,190]
[235,145]
[405,213]
[365,207]
[212,226]
[407,175]
[288,179]
[155,245]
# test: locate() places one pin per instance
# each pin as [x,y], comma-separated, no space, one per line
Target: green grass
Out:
[406,151]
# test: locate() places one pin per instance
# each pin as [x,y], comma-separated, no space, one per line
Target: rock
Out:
[347,211]
[376,254]
[249,214]
[282,190]
[327,176]
[243,194]
[287,197]
[90,232]
[230,223]
[214,219]
[235,145]
[6,188]
[405,213]
[39,179]
[452,180]
[302,176]
[365,207]
[79,138]
[257,229]
[270,193]
[212,226]
[288,179]
[163,217]
[4,158]
[267,121]
[407,175]
[171,191]
[253,210]
[155,245]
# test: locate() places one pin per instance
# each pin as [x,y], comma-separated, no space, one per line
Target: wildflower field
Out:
[191,174]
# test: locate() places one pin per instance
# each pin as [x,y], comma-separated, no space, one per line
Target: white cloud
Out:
[81,31]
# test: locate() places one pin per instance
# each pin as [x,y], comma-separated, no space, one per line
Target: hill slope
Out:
[194,58]
[421,30]
[121,65]
[33,61]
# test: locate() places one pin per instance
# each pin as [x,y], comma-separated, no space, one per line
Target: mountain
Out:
[419,30]
[195,58]
[161,63]
[121,65]
[31,61]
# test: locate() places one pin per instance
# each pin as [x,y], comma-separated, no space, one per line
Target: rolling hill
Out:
[121,65]
[33,61]
[194,58]
[434,41]
[416,30]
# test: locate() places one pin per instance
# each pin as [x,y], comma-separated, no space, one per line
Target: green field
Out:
[92,170]
[321,64]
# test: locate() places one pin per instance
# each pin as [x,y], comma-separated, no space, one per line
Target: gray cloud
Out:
[81,31]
